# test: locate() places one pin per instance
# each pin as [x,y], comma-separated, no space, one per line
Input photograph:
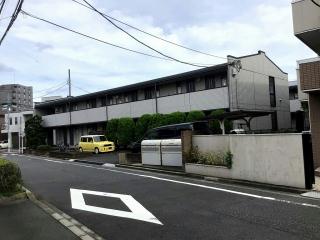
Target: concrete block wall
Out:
[260,158]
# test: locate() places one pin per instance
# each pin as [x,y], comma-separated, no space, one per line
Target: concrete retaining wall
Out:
[268,158]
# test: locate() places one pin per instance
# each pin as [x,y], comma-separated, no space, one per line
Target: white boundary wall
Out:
[266,158]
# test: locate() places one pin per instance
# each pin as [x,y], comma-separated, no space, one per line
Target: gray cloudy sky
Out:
[39,55]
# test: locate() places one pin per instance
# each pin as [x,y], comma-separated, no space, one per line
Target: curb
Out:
[221,180]
[88,162]
[152,169]
[13,198]
[67,221]
[257,185]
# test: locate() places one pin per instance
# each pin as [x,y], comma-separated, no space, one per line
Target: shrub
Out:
[174,118]
[10,177]
[218,158]
[142,125]
[228,159]
[195,116]
[112,129]
[126,130]
[44,148]
[156,120]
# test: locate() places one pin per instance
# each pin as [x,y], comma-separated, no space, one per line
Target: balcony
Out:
[201,100]
[132,109]
[306,22]
[91,115]
[60,119]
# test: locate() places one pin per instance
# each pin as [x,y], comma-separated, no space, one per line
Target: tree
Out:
[125,132]
[215,125]
[35,134]
[195,116]
[143,125]
[112,129]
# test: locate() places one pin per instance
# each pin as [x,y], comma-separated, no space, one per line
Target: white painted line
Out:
[138,212]
[189,184]
[72,160]
[108,165]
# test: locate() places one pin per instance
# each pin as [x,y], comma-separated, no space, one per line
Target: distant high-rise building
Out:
[18,96]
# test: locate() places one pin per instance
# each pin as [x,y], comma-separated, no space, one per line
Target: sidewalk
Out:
[24,220]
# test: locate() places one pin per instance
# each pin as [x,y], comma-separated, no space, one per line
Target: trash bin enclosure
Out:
[162,152]
[171,152]
[151,152]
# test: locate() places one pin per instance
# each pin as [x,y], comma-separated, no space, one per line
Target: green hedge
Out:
[173,118]
[122,131]
[126,131]
[10,176]
[143,125]
[112,128]
[195,116]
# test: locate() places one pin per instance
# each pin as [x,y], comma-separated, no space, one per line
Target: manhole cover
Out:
[312,194]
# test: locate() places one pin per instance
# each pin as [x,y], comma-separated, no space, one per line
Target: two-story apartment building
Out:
[259,85]
[306,25]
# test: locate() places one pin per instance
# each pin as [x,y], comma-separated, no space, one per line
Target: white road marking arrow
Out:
[138,212]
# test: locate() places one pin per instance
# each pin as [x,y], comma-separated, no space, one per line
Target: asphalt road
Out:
[186,208]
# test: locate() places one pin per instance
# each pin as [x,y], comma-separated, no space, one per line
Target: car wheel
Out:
[80,150]
[96,150]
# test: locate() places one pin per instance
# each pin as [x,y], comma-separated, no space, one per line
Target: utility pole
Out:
[69,82]
[70,122]
[8,122]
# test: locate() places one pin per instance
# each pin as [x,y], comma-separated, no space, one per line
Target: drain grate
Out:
[312,194]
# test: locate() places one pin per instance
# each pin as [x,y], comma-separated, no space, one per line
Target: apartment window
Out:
[120,99]
[103,101]
[134,96]
[91,103]
[126,98]
[10,121]
[272,92]
[148,93]
[190,86]
[15,121]
[157,91]
[210,82]
[74,107]
[179,87]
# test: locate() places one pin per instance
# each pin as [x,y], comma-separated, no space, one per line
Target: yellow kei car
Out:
[96,144]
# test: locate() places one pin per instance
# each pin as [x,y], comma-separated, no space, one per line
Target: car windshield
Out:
[99,138]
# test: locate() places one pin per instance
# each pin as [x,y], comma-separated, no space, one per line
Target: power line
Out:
[136,39]
[152,35]
[105,42]
[80,88]
[315,3]
[50,92]
[2,5]
[13,19]
[50,88]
